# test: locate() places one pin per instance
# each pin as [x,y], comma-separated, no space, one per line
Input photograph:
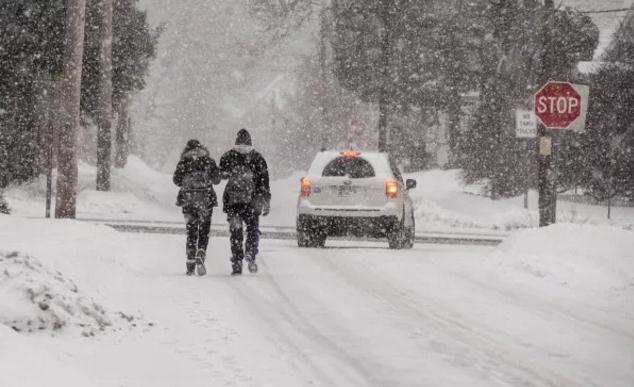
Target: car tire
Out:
[410,235]
[401,237]
[396,235]
[308,235]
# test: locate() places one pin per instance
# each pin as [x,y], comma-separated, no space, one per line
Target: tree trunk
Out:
[104,104]
[70,86]
[323,81]
[385,75]
[454,112]
[122,138]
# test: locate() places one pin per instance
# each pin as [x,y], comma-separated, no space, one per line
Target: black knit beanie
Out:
[193,143]
[243,137]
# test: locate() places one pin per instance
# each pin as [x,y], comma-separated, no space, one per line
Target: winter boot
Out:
[252,266]
[200,262]
[236,266]
[191,266]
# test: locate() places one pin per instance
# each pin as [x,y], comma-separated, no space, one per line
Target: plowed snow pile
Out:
[34,298]
[580,257]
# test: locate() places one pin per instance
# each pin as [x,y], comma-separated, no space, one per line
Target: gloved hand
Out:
[266,208]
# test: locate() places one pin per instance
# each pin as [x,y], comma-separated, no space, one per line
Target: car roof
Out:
[378,160]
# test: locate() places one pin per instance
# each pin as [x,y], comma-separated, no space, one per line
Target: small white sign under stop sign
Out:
[525,124]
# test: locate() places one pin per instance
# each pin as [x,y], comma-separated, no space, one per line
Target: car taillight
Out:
[391,189]
[305,187]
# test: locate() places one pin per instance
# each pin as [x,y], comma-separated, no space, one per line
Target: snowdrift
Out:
[35,298]
[138,192]
[61,276]
[442,201]
[580,257]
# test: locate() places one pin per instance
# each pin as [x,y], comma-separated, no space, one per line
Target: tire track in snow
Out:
[545,308]
[497,358]
[302,327]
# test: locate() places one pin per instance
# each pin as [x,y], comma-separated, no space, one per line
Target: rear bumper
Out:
[391,208]
[375,226]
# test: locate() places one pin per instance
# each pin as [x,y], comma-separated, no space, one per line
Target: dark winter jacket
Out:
[241,154]
[196,158]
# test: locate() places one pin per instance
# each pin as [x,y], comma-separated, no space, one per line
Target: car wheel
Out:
[396,236]
[309,235]
[303,239]
[411,235]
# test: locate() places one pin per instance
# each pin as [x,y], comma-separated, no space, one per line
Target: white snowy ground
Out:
[442,202]
[549,307]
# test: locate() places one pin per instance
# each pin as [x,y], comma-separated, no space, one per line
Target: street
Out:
[355,314]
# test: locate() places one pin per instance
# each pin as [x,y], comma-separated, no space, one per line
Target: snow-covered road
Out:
[355,314]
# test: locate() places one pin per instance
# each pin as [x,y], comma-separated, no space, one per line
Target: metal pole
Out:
[545,178]
[546,185]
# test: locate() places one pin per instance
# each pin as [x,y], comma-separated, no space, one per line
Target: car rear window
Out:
[353,167]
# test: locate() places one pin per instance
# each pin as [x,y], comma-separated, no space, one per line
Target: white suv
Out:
[351,193]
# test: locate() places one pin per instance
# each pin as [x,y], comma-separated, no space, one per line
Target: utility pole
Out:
[104,97]
[70,92]
[546,184]
[385,75]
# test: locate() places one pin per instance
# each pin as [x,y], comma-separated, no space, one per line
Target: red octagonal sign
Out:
[557,105]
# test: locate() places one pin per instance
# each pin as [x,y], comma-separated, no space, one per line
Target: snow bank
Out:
[55,275]
[441,201]
[35,298]
[579,257]
[138,192]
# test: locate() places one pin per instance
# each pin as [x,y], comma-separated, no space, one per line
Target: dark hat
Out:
[243,137]
[191,144]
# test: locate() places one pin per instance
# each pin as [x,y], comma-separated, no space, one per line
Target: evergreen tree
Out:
[133,49]
[134,45]
[31,52]
[608,144]
[31,40]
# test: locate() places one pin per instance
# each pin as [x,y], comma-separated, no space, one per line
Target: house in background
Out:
[615,28]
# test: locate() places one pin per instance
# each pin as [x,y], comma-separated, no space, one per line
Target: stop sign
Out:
[558,105]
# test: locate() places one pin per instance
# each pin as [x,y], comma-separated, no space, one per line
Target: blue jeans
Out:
[238,217]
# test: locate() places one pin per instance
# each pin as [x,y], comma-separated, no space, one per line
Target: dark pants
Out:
[237,217]
[198,226]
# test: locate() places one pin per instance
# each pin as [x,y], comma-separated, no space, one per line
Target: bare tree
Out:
[70,86]
[104,99]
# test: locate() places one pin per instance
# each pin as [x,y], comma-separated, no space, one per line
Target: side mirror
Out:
[410,183]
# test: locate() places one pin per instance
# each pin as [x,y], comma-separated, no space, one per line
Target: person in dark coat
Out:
[195,174]
[246,197]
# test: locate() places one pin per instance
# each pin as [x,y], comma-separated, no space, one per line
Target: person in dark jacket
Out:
[195,174]
[246,197]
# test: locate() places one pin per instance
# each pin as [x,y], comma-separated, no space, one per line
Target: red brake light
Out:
[350,153]
[391,189]
[306,187]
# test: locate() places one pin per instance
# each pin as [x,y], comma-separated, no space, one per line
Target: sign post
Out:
[525,128]
[558,106]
